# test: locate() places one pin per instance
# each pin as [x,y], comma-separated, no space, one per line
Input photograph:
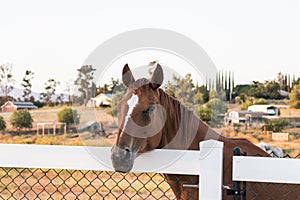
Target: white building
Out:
[269,110]
[101,100]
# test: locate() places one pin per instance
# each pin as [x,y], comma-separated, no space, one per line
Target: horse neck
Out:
[183,130]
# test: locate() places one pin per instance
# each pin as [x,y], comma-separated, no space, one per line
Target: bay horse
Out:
[148,118]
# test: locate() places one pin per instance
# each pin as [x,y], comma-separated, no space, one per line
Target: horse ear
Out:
[127,76]
[157,77]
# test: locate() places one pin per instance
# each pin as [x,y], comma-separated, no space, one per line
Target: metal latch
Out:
[190,186]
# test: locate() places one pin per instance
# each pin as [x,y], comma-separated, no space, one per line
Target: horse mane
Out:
[182,125]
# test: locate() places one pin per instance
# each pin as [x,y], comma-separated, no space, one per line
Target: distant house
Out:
[268,110]
[254,116]
[10,106]
[245,116]
[101,100]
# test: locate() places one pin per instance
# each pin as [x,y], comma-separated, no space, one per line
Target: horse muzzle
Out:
[122,159]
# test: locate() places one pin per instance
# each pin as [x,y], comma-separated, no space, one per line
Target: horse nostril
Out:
[127,150]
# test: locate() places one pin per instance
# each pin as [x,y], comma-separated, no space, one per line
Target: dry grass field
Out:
[255,135]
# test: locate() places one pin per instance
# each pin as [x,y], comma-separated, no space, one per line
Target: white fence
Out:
[260,169]
[207,162]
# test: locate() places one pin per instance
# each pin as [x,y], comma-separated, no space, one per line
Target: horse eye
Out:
[149,109]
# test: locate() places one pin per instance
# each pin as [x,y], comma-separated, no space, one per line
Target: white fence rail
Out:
[261,169]
[207,162]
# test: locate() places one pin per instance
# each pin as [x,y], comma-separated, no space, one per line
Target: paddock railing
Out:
[265,169]
[280,175]
[44,171]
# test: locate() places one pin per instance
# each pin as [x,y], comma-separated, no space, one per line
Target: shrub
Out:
[2,123]
[210,112]
[68,115]
[21,119]
[275,125]
[295,97]
[260,101]
[245,105]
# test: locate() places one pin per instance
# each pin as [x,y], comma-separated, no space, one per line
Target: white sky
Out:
[255,39]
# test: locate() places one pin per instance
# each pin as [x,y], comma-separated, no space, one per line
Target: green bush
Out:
[275,125]
[68,115]
[21,119]
[260,101]
[2,123]
[245,105]
[295,97]
[209,113]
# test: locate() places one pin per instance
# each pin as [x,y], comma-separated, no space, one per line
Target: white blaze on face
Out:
[132,102]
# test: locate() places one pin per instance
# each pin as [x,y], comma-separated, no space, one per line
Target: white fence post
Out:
[211,169]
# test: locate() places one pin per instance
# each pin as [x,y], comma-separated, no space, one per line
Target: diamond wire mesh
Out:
[273,191]
[16,183]
[27,183]
[270,190]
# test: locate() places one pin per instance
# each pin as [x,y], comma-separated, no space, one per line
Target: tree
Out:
[68,115]
[70,90]
[59,99]
[104,89]
[272,90]
[242,89]
[116,85]
[170,88]
[116,99]
[220,94]
[216,107]
[21,119]
[245,105]
[6,79]
[202,94]
[266,90]
[257,90]
[295,96]
[182,89]
[275,125]
[209,113]
[3,100]
[118,89]
[223,84]
[26,83]
[203,113]
[50,88]
[84,81]
[296,82]
[2,123]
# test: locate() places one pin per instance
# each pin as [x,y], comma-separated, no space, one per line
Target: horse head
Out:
[140,119]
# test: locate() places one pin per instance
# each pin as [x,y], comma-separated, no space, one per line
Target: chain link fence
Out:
[281,191]
[27,183]
[36,183]
[269,190]
[17,183]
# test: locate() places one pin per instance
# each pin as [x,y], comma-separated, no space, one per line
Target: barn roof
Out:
[20,104]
